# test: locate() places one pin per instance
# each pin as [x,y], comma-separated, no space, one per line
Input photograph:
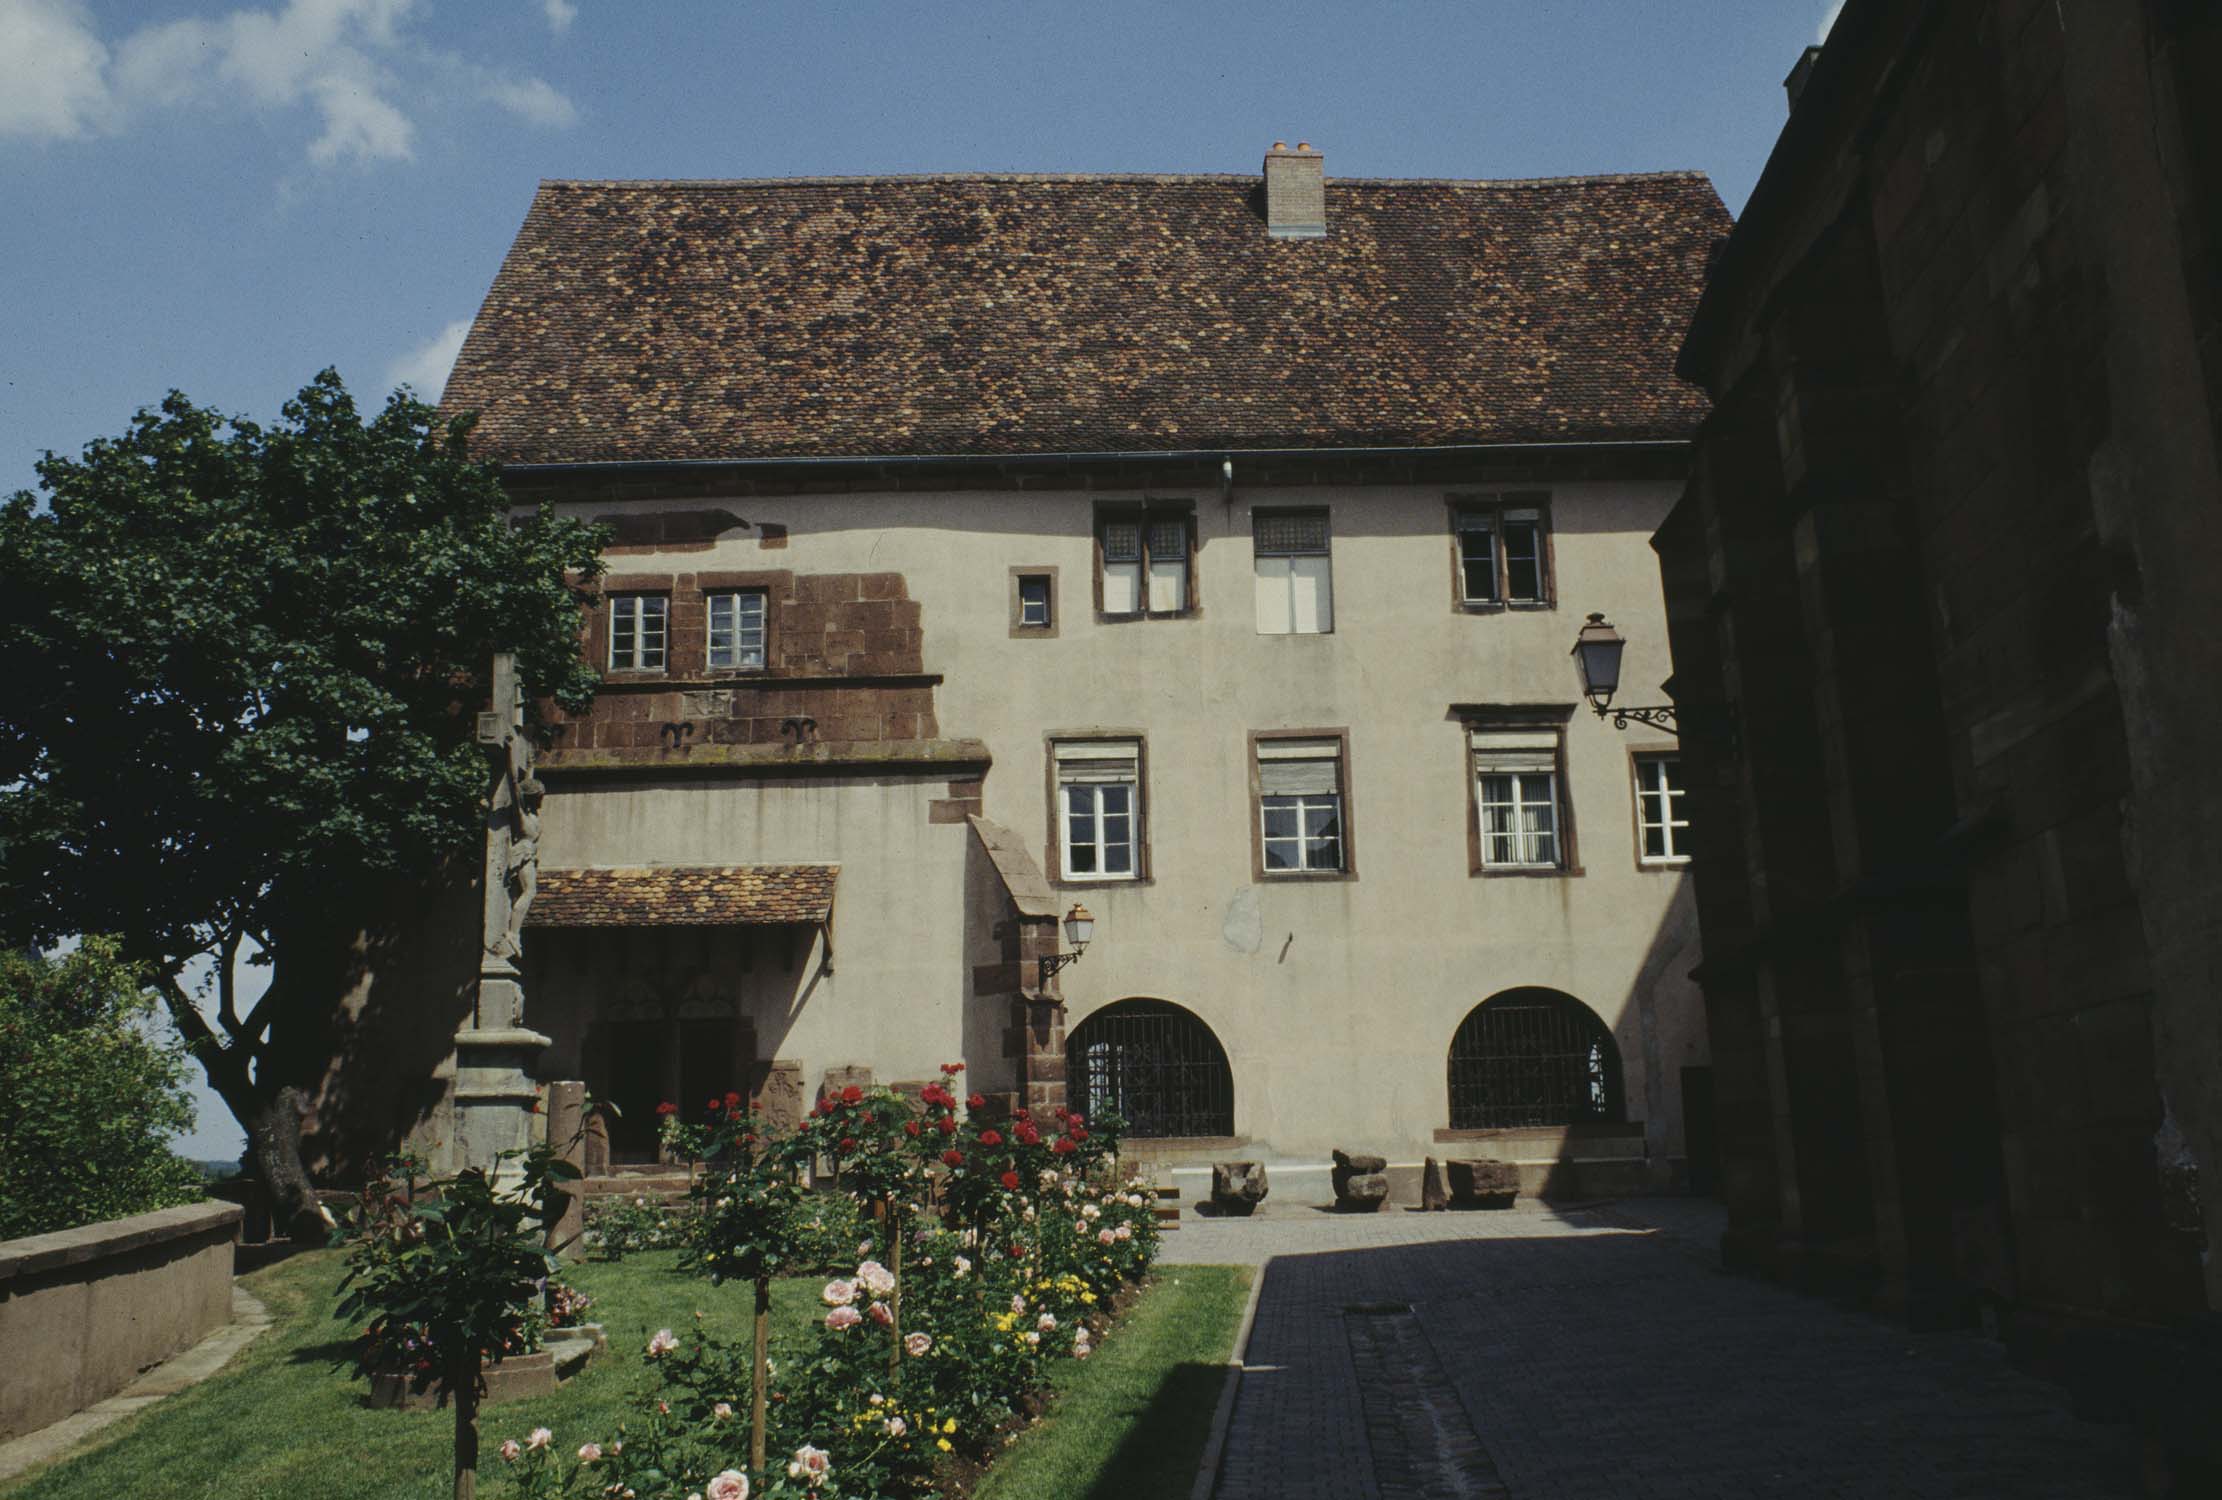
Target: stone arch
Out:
[1533,1057]
[1157,1065]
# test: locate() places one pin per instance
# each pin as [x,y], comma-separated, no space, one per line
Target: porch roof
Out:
[684,896]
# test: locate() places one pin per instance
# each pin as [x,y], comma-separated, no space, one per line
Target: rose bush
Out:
[967,1249]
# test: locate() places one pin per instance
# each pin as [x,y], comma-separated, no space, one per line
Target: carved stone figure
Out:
[524,863]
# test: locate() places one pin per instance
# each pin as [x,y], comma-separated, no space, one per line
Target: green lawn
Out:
[285,1421]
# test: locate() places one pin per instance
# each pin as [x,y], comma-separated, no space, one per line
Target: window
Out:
[1503,551]
[1033,601]
[1145,551]
[1294,587]
[737,629]
[1300,807]
[1664,831]
[637,632]
[1516,798]
[1099,809]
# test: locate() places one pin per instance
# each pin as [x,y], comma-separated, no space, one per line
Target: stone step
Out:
[663,1187]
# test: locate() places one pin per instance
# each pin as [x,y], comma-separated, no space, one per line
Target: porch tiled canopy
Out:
[684,896]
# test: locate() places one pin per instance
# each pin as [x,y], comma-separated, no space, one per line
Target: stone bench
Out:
[1361,1182]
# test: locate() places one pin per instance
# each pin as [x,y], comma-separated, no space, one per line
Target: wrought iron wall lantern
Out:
[1597,648]
[1079,927]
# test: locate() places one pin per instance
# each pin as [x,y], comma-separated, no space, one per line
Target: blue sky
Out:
[225,198]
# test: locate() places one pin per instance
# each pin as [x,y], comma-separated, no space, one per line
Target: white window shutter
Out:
[1312,595]
[1122,588]
[1168,584]
[1275,613]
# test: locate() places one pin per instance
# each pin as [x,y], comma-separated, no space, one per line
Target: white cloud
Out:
[561,13]
[51,64]
[1828,22]
[350,62]
[531,100]
[425,368]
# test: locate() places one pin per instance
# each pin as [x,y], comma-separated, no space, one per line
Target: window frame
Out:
[1551,719]
[1638,757]
[1493,505]
[1054,852]
[710,596]
[1143,513]
[1258,870]
[1327,550]
[632,668]
[1019,629]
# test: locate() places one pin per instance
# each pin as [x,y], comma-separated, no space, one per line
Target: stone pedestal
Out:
[1361,1182]
[1483,1184]
[494,1091]
[567,1138]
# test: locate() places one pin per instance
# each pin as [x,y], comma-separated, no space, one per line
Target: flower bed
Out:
[986,1249]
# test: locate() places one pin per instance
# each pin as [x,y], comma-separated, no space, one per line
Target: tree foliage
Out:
[92,1097]
[245,666]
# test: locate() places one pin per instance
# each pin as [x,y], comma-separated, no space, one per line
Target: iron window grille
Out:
[1154,1065]
[1292,561]
[1533,1057]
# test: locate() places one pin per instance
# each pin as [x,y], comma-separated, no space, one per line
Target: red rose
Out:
[991,1137]
[1028,1135]
[946,1125]
[910,1128]
[1020,1114]
[976,1101]
[952,1069]
[713,1104]
[953,1158]
[1010,1180]
[1018,1252]
[1061,1146]
[1078,1117]
[851,1094]
[1078,1134]
[667,1108]
[732,1098]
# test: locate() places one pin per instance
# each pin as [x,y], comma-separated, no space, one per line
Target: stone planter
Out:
[564,1355]
[1237,1187]
[1482,1184]
[1361,1182]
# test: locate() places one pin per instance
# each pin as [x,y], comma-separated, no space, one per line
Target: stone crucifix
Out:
[512,820]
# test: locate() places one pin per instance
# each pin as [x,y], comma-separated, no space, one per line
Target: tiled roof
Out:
[1021,314]
[683,896]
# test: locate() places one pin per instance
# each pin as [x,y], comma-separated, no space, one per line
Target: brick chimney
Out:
[1295,192]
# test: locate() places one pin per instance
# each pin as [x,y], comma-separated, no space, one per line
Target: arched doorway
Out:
[1532,1057]
[1156,1066]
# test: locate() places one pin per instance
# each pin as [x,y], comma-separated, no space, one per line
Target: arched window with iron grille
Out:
[1156,1066]
[1532,1057]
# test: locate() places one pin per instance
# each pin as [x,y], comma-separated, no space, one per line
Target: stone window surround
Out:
[1035,632]
[1258,871]
[776,585]
[1145,510]
[1053,850]
[606,616]
[1551,717]
[1495,503]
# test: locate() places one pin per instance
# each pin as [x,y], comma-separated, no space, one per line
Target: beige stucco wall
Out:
[1335,1001]
[83,1311]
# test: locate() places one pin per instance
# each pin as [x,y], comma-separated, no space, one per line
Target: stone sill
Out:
[931,757]
[71,1247]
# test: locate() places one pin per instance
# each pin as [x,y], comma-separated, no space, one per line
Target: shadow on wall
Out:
[377,1018]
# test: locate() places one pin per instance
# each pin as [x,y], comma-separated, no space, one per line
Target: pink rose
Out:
[877,1279]
[1018,1305]
[1124,1232]
[510,1450]
[539,1437]
[732,1484]
[896,1426]
[590,1453]
[842,1317]
[839,1293]
[882,1314]
[1081,1351]
[723,1411]
[662,1343]
[916,1344]
[1105,1237]
[1047,1322]
[811,1465]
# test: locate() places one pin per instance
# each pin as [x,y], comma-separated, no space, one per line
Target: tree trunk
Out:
[757,1392]
[274,1138]
[463,1391]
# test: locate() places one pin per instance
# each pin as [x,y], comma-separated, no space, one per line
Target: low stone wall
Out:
[84,1311]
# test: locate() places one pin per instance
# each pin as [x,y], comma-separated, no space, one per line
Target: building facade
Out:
[1942,582]
[1202,551]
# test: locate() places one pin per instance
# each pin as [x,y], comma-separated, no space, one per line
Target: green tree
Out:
[92,1098]
[245,664]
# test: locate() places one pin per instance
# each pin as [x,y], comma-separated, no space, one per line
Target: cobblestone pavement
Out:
[1599,1353]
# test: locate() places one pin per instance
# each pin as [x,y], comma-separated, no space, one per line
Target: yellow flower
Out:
[943,1444]
[950,1425]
